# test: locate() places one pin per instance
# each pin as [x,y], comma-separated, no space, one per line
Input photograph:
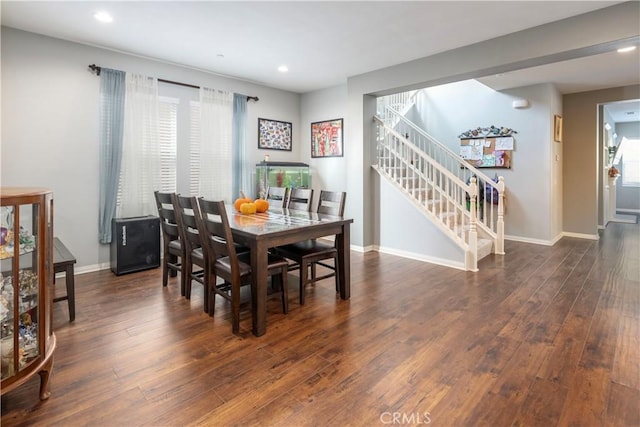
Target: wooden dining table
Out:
[277,227]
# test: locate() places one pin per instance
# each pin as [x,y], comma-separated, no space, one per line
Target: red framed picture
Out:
[326,138]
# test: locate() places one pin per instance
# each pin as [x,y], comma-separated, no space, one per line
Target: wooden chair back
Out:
[227,264]
[332,202]
[187,210]
[277,196]
[167,215]
[217,237]
[300,199]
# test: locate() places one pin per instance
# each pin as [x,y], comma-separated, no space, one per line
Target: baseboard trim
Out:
[556,239]
[533,241]
[420,257]
[92,268]
[634,211]
[581,235]
[362,249]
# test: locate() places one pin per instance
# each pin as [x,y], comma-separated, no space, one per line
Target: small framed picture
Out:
[274,135]
[557,128]
[327,138]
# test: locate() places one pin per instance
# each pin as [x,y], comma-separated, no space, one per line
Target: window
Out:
[168,139]
[175,158]
[194,147]
[630,149]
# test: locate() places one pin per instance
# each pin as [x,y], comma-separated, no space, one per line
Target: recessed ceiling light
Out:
[283,68]
[626,49]
[102,16]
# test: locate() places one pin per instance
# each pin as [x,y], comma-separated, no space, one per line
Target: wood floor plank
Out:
[257,394]
[587,398]
[623,408]
[626,363]
[542,405]
[506,395]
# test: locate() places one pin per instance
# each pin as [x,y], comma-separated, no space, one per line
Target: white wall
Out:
[50,125]
[446,111]
[329,173]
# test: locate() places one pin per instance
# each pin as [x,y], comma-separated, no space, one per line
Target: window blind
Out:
[168,143]
[194,147]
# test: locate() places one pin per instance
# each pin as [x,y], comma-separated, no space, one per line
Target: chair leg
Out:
[235,310]
[189,279]
[183,279]
[212,298]
[337,273]
[165,272]
[173,259]
[205,292]
[285,290]
[303,280]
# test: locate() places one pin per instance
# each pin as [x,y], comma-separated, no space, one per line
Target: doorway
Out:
[619,143]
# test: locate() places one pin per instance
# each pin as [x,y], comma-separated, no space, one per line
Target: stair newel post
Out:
[379,131]
[500,222]
[446,199]
[472,251]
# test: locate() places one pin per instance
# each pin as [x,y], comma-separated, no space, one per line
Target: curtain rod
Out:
[95,68]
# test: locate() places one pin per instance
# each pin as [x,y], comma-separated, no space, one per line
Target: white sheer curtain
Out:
[140,169]
[216,154]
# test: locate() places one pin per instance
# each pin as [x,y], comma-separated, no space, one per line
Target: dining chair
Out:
[277,196]
[309,253]
[226,263]
[300,199]
[187,213]
[173,252]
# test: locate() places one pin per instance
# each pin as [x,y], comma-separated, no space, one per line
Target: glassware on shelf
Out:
[27,341]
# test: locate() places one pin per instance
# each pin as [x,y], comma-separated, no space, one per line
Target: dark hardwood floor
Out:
[543,336]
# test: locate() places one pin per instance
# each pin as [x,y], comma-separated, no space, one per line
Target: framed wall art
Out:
[557,128]
[488,147]
[327,138]
[274,135]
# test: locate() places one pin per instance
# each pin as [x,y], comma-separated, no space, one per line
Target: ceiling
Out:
[322,43]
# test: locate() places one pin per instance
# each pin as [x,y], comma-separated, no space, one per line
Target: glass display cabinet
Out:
[26,274]
[281,174]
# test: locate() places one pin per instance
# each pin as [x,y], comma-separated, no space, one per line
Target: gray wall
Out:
[329,173]
[50,125]
[405,230]
[627,197]
[532,189]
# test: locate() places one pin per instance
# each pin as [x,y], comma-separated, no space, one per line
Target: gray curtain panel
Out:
[239,126]
[112,93]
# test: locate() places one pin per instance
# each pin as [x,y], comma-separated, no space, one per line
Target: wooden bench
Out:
[63,261]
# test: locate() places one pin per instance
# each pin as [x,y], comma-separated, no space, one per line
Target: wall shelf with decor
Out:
[489,147]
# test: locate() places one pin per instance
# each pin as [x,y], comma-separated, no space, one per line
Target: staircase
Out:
[466,204]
